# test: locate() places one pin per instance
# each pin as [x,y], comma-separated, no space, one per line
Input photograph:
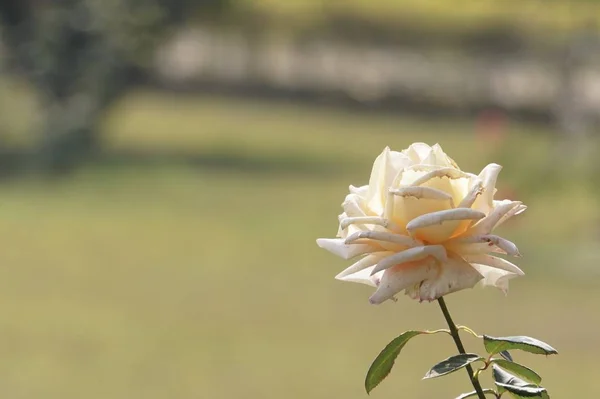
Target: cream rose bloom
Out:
[424,227]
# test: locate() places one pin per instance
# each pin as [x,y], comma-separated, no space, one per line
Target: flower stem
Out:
[460,347]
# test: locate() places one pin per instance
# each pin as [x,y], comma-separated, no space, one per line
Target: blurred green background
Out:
[160,243]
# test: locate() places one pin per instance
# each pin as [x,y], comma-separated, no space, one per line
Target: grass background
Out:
[183,263]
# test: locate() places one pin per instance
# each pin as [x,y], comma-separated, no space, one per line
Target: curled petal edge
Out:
[507,246]
[383,236]
[439,217]
[410,255]
[495,262]
[337,247]
[423,193]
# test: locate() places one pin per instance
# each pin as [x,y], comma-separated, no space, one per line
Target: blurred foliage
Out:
[81,55]
[543,18]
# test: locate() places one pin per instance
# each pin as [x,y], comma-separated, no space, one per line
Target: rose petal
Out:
[456,274]
[494,277]
[403,276]
[474,192]
[442,159]
[422,193]
[367,262]
[489,243]
[488,176]
[417,152]
[460,189]
[437,218]
[385,168]
[363,277]
[487,224]
[412,254]
[344,232]
[407,208]
[353,206]
[361,191]
[439,226]
[513,212]
[372,220]
[384,237]
[495,262]
[450,173]
[337,247]
[449,180]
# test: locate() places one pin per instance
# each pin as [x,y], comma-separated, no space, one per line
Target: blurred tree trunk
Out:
[84,75]
[75,69]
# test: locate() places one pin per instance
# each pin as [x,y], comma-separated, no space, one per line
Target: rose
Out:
[424,227]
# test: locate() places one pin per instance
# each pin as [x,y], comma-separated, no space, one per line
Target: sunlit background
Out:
[166,166]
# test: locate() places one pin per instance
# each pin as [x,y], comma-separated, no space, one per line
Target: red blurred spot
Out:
[491,127]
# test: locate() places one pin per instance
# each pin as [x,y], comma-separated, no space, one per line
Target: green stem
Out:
[460,347]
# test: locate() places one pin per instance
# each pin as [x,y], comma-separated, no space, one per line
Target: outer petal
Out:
[417,152]
[440,154]
[412,255]
[363,277]
[495,262]
[482,244]
[385,168]
[471,195]
[513,212]
[354,206]
[494,277]
[361,191]
[343,233]
[384,237]
[487,224]
[456,274]
[403,276]
[488,175]
[438,157]
[368,261]
[346,251]
[399,160]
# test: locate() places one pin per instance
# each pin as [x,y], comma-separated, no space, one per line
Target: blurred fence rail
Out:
[538,84]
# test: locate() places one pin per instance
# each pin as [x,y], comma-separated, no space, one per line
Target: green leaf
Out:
[519,370]
[383,363]
[495,345]
[451,364]
[474,393]
[506,355]
[517,387]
